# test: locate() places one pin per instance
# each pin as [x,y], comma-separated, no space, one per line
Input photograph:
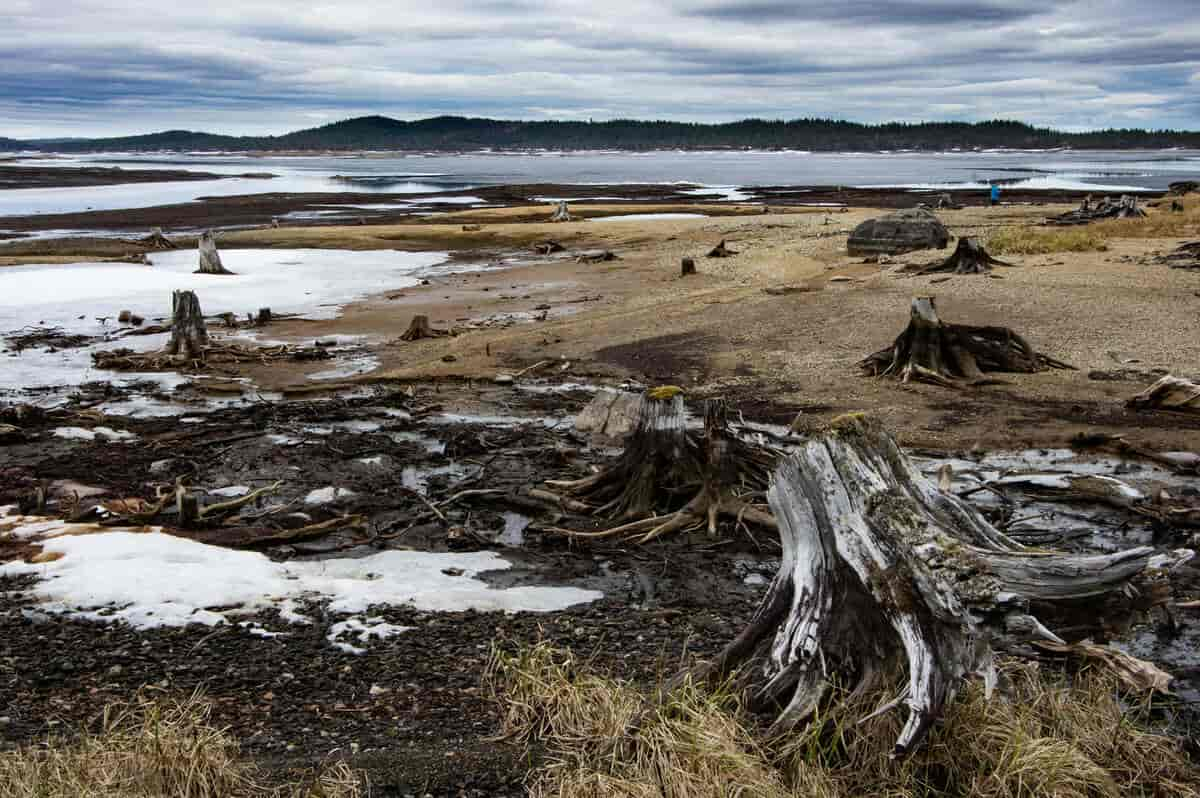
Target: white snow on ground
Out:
[103,433]
[153,579]
[313,282]
[365,630]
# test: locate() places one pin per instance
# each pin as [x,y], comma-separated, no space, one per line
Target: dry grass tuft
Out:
[154,748]
[602,738]
[691,745]
[1045,240]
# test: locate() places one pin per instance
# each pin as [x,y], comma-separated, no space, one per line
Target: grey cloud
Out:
[268,66]
[900,12]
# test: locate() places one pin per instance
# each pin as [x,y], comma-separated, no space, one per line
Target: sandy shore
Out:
[1114,318]
[721,333]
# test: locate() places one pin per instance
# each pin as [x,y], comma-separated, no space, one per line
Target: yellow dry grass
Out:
[155,748]
[1045,240]
[603,738]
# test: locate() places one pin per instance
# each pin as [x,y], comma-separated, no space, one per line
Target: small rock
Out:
[503,379]
[377,690]
[448,358]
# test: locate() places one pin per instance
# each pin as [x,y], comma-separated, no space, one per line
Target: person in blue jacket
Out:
[995,194]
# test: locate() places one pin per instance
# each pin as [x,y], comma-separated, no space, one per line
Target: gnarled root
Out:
[881,567]
[663,462]
[969,258]
[930,350]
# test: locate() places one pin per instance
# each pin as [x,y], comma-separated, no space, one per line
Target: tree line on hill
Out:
[457,134]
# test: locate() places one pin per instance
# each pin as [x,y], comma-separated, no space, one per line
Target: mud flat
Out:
[16,176]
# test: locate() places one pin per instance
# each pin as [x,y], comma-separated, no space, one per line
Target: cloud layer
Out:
[99,67]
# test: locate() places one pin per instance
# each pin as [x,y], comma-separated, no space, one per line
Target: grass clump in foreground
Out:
[1045,240]
[155,748]
[602,738]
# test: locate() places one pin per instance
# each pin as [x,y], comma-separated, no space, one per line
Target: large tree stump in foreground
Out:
[210,260]
[969,258]
[880,566]
[930,350]
[669,478]
[189,336]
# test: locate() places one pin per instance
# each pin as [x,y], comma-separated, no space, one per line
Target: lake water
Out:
[1102,171]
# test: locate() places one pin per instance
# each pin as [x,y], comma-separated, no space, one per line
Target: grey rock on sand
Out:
[904,231]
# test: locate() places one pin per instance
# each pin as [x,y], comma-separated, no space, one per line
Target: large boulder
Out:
[897,233]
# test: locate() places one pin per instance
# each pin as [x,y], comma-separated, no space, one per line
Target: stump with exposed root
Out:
[419,329]
[189,336]
[930,350]
[880,568]
[210,259]
[969,257]
[668,478]
[721,251]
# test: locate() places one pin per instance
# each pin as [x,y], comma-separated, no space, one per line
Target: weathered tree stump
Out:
[561,213]
[687,267]
[969,258]
[1124,208]
[946,202]
[668,478]
[156,240]
[1169,393]
[930,350]
[880,567]
[189,336]
[721,251]
[419,329]
[210,260]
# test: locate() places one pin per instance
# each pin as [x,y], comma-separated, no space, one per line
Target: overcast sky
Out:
[101,67]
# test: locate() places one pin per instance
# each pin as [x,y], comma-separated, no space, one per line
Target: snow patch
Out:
[151,580]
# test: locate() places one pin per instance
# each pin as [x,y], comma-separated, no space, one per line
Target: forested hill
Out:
[452,133]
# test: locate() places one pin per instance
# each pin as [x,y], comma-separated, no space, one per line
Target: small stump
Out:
[419,329]
[189,336]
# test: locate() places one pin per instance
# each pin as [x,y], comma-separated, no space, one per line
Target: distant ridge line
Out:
[463,134]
